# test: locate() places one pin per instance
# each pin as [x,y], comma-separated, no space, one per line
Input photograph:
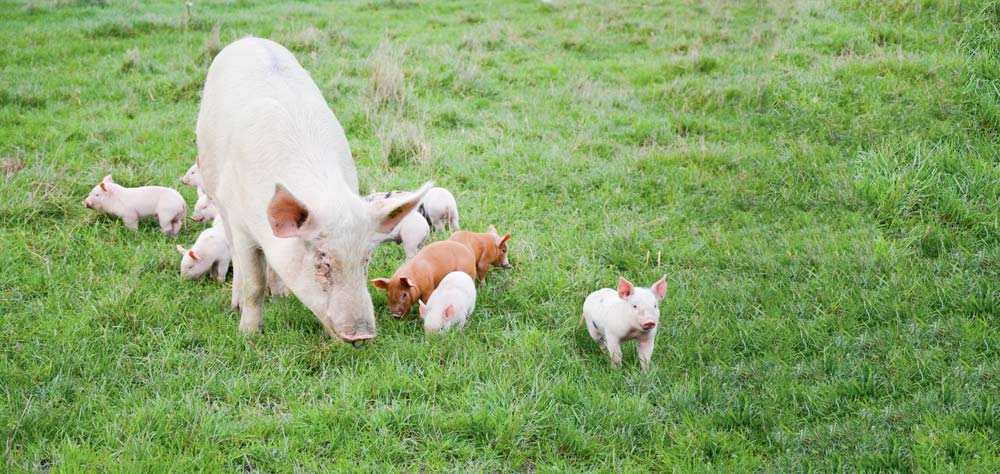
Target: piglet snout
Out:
[648,325]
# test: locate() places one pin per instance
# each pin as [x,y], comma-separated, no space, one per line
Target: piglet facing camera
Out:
[450,305]
[628,313]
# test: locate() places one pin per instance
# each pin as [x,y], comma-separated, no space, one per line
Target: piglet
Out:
[632,313]
[411,232]
[210,254]
[204,208]
[192,177]
[132,204]
[450,305]
[417,278]
[439,208]
[488,247]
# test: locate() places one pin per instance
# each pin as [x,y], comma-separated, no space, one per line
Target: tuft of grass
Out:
[131,60]
[213,44]
[387,87]
[402,142]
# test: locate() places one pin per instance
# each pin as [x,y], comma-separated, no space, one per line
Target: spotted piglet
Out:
[210,254]
[450,305]
[439,208]
[133,204]
[411,232]
[629,313]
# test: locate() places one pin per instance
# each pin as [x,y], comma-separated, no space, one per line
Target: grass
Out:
[817,179]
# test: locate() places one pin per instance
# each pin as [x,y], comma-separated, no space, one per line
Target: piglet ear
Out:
[625,288]
[422,309]
[107,179]
[382,283]
[449,312]
[103,187]
[192,255]
[286,214]
[503,240]
[492,230]
[406,282]
[182,250]
[660,288]
[387,213]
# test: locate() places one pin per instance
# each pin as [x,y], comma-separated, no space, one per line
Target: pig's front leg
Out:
[615,351]
[252,284]
[131,221]
[646,350]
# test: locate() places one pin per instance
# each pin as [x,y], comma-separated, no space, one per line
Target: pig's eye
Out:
[404,296]
[635,306]
[503,250]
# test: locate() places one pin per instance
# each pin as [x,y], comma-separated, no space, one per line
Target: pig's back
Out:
[470,240]
[243,74]
[441,258]
[598,303]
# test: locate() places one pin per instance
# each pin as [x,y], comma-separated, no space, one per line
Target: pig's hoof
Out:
[249,329]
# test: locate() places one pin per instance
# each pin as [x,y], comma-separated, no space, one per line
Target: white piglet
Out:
[411,232]
[204,208]
[192,177]
[450,304]
[629,313]
[209,255]
[133,204]
[440,209]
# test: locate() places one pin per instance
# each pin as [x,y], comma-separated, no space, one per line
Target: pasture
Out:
[819,181]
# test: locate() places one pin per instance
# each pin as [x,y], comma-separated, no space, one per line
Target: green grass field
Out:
[819,181]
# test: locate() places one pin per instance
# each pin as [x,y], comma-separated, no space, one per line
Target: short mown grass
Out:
[819,181]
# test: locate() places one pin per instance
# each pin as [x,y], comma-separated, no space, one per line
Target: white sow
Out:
[451,303]
[629,313]
[133,204]
[277,164]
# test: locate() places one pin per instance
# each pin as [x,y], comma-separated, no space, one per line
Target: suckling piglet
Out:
[450,305]
[629,313]
[204,208]
[192,177]
[489,249]
[210,254]
[132,204]
[418,277]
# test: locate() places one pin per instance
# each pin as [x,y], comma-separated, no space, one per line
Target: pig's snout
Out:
[648,325]
[86,204]
[357,334]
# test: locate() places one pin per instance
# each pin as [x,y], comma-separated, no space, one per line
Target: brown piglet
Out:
[489,248]
[417,278]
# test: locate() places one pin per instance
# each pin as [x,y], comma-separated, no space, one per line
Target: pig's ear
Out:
[502,240]
[387,213]
[103,186]
[192,255]
[107,179]
[382,283]
[492,230]
[449,312]
[182,250]
[286,214]
[625,288]
[406,282]
[422,309]
[660,288]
